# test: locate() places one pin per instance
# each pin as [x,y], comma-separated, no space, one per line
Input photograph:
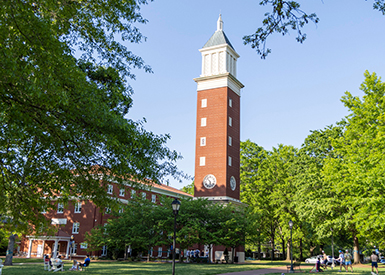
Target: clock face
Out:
[209,181]
[233,183]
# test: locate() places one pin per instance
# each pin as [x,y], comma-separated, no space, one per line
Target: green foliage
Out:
[64,120]
[285,16]
[189,188]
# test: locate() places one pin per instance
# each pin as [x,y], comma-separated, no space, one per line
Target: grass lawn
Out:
[101,267]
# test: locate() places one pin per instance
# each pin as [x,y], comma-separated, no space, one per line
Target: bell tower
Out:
[217,146]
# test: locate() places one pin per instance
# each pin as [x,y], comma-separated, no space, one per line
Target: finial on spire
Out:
[220,23]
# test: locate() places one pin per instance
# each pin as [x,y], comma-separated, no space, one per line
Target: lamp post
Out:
[291,246]
[175,207]
[331,229]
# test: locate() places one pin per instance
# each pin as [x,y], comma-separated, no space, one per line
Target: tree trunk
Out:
[272,248]
[356,248]
[288,258]
[11,246]
[300,250]
[312,249]
[283,249]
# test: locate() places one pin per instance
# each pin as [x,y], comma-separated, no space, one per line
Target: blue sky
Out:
[296,89]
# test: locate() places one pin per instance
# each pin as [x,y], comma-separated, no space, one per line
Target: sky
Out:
[295,90]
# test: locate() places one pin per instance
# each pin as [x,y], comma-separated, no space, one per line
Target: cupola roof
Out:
[219,37]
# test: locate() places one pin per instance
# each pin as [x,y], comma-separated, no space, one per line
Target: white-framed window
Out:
[60,208]
[229,161]
[120,209]
[83,245]
[230,121]
[203,141]
[153,198]
[78,207]
[110,189]
[75,228]
[75,248]
[133,192]
[202,161]
[44,210]
[122,192]
[108,210]
[203,121]
[204,103]
[104,250]
[230,141]
[159,252]
[230,102]
[144,195]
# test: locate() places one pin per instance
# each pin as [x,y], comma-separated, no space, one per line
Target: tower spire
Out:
[220,23]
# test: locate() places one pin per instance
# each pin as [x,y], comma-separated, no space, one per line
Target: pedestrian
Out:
[374,259]
[188,255]
[341,258]
[325,260]
[348,261]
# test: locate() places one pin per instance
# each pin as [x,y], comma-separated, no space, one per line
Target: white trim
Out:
[218,81]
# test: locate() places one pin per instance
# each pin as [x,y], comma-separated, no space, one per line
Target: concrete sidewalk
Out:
[281,269]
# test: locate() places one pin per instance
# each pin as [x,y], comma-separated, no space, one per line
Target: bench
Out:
[55,265]
[296,266]
[47,266]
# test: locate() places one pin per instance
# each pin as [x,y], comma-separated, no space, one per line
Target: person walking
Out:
[374,259]
[325,260]
[348,261]
[341,258]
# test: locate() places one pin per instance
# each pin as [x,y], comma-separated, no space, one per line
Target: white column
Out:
[68,248]
[55,249]
[29,248]
[43,247]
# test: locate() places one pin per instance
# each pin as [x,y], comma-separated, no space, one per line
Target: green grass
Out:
[135,268]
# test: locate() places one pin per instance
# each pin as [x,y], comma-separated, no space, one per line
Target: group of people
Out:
[75,266]
[193,254]
[345,260]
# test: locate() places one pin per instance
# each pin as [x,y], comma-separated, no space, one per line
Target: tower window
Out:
[229,161]
[230,102]
[230,121]
[203,121]
[204,103]
[230,141]
[203,141]
[202,161]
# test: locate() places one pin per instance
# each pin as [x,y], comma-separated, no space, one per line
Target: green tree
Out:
[358,174]
[189,188]
[64,120]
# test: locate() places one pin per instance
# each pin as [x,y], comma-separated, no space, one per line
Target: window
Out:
[144,195]
[104,250]
[230,121]
[230,141]
[230,102]
[203,141]
[75,248]
[108,210]
[122,192]
[133,192]
[44,210]
[159,252]
[153,198]
[120,209]
[75,228]
[202,161]
[60,207]
[203,121]
[78,207]
[229,161]
[83,245]
[110,188]
[204,103]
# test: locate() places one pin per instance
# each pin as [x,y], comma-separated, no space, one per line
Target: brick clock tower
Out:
[217,151]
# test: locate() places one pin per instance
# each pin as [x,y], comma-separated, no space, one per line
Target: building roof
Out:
[171,189]
[219,37]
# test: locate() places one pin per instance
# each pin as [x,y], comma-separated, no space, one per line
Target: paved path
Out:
[281,269]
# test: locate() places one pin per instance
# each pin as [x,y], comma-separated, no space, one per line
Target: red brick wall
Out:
[217,149]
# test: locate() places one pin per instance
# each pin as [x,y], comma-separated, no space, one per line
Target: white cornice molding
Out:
[219,81]
[223,199]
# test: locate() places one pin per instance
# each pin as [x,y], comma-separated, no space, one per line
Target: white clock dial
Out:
[209,181]
[233,183]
